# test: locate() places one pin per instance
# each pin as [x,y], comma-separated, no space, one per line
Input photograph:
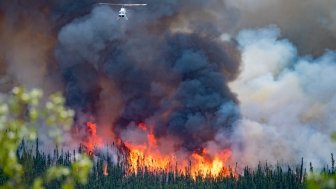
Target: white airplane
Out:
[123,11]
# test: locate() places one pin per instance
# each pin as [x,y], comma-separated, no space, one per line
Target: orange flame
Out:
[147,157]
[214,167]
[105,171]
[92,140]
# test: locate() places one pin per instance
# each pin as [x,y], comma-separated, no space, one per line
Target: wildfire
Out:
[147,156]
[92,140]
[214,167]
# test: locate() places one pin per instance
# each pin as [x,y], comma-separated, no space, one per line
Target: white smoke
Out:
[287,102]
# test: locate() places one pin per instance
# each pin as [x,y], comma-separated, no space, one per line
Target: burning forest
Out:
[202,88]
[141,89]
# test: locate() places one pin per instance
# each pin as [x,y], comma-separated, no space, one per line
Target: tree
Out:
[324,180]
[20,114]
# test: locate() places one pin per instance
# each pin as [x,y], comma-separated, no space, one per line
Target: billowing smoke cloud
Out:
[310,24]
[287,101]
[152,70]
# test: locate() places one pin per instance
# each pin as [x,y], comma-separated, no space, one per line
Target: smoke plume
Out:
[153,71]
[287,101]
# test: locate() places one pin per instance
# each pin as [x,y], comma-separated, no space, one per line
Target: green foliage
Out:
[326,180]
[333,136]
[321,181]
[20,114]
[76,174]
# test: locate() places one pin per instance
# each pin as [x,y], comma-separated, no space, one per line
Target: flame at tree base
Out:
[147,157]
[196,165]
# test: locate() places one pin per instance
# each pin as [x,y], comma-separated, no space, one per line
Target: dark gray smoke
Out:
[160,67]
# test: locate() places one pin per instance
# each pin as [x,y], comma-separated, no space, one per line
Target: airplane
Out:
[123,11]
